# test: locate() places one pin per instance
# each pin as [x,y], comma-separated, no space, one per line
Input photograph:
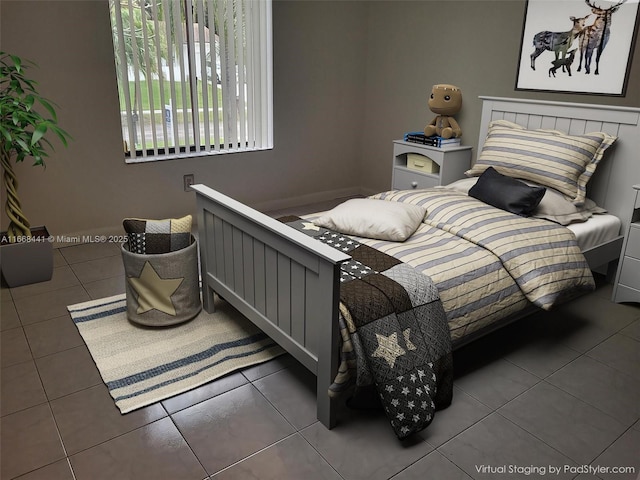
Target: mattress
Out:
[597,230]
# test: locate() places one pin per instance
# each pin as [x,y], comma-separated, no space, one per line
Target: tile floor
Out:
[558,390]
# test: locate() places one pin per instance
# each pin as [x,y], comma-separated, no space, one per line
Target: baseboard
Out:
[308,199]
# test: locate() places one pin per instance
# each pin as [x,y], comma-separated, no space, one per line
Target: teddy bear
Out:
[445,101]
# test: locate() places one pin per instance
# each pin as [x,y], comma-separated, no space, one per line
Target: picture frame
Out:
[574,29]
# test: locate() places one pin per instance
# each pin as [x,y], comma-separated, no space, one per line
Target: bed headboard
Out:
[611,184]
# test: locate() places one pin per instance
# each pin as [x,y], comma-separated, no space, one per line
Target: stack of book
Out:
[434,141]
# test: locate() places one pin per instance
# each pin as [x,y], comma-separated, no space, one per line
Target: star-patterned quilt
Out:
[394,331]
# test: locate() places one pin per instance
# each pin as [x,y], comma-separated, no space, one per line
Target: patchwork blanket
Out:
[393,322]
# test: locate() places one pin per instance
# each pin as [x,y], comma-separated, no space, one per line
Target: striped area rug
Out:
[143,365]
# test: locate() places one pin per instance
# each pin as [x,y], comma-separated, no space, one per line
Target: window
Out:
[194,76]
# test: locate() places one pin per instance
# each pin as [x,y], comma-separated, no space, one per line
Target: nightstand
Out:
[422,166]
[627,286]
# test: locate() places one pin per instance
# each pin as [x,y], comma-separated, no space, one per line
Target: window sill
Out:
[183,155]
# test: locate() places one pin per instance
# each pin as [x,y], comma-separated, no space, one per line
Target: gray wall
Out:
[349,78]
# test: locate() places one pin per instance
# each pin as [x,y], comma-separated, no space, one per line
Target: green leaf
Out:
[49,108]
[23,145]
[15,85]
[29,100]
[17,61]
[45,140]
[62,134]
[31,83]
[38,133]
[5,133]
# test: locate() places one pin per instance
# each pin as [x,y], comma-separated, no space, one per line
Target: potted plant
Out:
[25,119]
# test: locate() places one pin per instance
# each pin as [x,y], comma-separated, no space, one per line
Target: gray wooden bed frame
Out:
[287,283]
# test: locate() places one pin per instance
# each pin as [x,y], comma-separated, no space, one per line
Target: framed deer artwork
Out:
[577,46]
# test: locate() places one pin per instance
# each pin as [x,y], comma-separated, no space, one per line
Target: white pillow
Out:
[372,218]
[463,185]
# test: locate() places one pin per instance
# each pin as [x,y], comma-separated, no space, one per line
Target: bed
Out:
[288,283]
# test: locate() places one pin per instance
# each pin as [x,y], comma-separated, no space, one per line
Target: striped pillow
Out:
[546,157]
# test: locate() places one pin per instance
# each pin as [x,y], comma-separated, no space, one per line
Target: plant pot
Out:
[162,289]
[27,261]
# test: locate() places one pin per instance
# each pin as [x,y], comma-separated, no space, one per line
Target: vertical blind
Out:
[194,76]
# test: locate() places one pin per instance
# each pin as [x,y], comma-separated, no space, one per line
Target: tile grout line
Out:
[545,380]
[208,475]
[573,396]
[252,454]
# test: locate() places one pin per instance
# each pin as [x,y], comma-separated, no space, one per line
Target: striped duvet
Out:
[487,263]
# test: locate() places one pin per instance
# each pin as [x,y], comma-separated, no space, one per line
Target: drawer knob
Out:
[414,184]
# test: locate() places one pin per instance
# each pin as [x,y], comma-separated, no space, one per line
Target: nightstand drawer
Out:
[633,244]
[408,180]
[430,166]
[630,274]
[422,163]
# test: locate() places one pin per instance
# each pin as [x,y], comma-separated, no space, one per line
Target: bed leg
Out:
[328,343]
[208,299]
[612,268]
[326,412]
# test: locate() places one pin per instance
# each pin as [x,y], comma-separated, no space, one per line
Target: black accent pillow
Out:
[507,193]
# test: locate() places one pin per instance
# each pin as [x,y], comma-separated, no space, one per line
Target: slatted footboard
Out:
[282,280]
